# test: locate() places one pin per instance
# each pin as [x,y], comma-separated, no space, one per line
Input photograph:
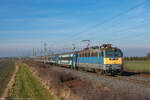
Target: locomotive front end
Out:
[113,61]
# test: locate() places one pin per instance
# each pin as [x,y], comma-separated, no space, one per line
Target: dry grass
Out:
[69,87]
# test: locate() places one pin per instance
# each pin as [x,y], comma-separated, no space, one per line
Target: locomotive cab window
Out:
[114,53]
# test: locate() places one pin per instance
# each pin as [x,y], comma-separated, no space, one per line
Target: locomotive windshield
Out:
[114,53]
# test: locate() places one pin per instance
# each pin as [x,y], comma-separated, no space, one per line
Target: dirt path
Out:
[11,82]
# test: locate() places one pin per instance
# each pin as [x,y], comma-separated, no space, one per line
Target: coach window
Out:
[83,54]
[94,54]
[102,54]
[80,54]
[90,53]
[86,54]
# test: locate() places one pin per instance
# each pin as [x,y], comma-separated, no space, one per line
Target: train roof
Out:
[93,49]
[96,49]
[61,54]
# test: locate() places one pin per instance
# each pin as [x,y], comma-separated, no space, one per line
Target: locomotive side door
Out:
[74,60]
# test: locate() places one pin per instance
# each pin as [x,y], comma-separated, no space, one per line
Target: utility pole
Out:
[40,52]
[49,51]
[33,52]
[74,47]
[45,52]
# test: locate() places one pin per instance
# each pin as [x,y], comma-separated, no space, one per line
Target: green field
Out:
[6,71]
[28,86]
[137,66]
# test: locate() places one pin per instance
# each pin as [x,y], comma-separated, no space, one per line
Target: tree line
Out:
[147,57]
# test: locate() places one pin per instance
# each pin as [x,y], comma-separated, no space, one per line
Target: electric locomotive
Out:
[104,59]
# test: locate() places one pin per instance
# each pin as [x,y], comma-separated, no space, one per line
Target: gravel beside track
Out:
[142,78]
[131,84]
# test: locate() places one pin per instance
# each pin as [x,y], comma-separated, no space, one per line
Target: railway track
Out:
[134,80]
[144,79]
[129,84]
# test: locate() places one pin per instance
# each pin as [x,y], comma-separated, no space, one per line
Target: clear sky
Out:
[26,24]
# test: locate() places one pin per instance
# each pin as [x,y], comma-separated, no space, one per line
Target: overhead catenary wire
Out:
[109,20]
[119,32]
[135,36]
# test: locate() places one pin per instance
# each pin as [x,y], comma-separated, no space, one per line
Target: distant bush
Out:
[147,57]
[135,58]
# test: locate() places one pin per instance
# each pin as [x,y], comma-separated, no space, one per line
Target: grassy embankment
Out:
[28,86]
[6,71]
[137,66]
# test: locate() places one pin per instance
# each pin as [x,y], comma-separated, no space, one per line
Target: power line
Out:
[112,18]
[128,36]
[117,33]
[108,20]
[135,36]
